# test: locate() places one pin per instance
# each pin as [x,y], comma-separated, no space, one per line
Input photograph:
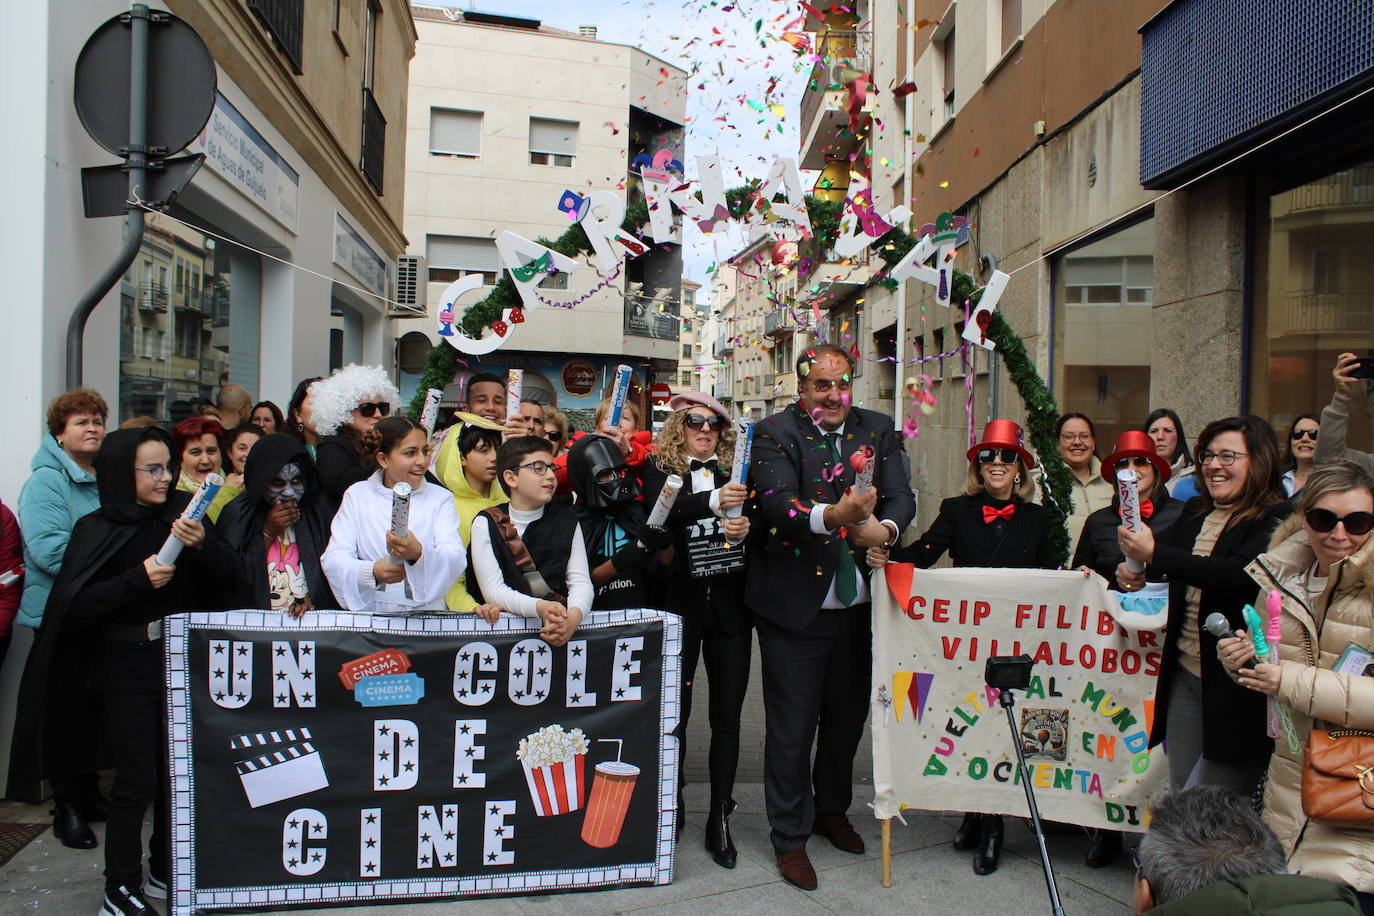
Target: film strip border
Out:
[182,774]
[383,890]
[668,750]
[420,623]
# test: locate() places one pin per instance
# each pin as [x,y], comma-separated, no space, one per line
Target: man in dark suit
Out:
[809,590]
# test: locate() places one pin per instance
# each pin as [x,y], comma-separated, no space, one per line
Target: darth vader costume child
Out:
[623,551]
[279,527]
[112,592]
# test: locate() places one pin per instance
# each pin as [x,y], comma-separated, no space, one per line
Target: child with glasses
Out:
[368,566]
[527,554]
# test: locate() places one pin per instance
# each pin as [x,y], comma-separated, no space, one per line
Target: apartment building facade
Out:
[303,170]
[506,114]
[1064,132]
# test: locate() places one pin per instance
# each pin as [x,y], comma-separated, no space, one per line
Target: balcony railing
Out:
[776,323]
[374,141]
[724,346]
[283,20]
[190,297]
[1348,311]
[152,297]
[1352,187]
[654,318]
[837,51]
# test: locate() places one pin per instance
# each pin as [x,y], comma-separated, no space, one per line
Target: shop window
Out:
[1104,292]
[1313,297]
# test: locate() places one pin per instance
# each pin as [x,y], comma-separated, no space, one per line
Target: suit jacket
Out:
[790,572]
[1021,543]
[1233,717]
[688,595]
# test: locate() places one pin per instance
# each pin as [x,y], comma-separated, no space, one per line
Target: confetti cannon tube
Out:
[429,415]
[862,462]
[739,470]
[515,383]
[400,512]
[658,517]
[1128,489]
[619,393]
[195,511]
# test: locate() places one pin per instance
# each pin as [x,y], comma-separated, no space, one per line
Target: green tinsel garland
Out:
[1042,414]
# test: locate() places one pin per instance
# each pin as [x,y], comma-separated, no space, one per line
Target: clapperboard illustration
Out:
[286,765]
[708,554]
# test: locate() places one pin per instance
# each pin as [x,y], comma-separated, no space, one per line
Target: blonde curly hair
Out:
[335,398]
[671,442]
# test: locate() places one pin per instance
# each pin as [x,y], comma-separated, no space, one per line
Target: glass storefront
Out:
[1105,293]
[1313,297]
[189,322]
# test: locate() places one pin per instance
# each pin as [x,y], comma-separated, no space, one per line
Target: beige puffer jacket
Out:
[1341,616]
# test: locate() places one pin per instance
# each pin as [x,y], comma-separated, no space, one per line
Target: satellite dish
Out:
[181,84]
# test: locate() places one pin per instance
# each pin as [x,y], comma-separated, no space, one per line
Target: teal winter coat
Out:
[57,494]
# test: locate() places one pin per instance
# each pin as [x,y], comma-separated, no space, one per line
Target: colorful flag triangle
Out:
[901,683]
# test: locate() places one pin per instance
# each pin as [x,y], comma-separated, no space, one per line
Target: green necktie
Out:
[845,588]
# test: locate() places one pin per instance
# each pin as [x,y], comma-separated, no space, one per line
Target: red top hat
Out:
[1003,434]
[1135,444]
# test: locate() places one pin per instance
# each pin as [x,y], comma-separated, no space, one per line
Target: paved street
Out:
[928,877]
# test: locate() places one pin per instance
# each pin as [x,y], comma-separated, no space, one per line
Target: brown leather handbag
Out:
[1338,777]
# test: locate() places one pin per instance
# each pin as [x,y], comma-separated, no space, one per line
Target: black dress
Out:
[706,589]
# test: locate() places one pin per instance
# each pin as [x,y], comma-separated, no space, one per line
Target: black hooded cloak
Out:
[240,524]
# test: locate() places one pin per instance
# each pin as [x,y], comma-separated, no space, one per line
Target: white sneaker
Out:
[156,888]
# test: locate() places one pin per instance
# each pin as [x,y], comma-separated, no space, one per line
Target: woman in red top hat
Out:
[992,523]
[1099,550]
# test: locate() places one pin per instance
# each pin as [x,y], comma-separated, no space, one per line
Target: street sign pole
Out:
[137,167]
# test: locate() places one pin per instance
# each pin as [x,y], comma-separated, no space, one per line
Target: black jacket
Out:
[339,462]
[790,572]
[719,597]
[1099,548]
[548,540]
[1021,543]
[240,522]
[1233,718]
[103,581]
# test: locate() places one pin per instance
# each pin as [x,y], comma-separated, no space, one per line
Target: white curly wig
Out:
[335,398]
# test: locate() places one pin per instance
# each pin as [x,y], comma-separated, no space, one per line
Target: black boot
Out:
[989,852]
[966,837]
[71,828]
[718,841]
[1105,849]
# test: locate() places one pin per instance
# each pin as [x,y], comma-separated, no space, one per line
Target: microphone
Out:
[1217,625]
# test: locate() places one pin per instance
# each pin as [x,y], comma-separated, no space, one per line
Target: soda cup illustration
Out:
[612,786]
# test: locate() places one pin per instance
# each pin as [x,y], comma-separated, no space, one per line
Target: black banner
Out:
[354,758]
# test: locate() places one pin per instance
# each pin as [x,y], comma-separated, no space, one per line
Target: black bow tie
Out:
[695,465]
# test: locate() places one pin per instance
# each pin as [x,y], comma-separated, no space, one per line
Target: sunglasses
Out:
[697,421]
[374,407]
[1134,461]
[1300,433]
[989,455]
[1324,521]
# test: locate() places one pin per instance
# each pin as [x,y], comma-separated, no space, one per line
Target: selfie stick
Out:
[195,511]
[1128,489]
[1007,700]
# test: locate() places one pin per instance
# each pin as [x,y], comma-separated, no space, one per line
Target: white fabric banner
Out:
[940,736]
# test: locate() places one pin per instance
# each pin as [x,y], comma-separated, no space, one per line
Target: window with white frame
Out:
[453,132]
[553,142]
[451,257]
[947,72]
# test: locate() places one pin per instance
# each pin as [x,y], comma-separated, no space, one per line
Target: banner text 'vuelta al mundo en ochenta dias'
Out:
[940,737]
[349,758]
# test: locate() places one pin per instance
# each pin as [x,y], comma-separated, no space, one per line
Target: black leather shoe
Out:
[969,832]
[71,828]
[1105,849]
[718,841]
[989,852]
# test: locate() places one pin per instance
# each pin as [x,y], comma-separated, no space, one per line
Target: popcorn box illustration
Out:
[554,761]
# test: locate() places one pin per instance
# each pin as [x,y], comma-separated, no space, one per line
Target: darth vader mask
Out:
[599,474]
[288,485]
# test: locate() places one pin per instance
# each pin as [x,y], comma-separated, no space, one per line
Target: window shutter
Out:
[453,131]
[948,49]
[1011,22]
[557,137]
[460,252]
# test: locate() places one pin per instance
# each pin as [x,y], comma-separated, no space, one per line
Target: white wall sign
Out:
[235,150]
[357,257]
